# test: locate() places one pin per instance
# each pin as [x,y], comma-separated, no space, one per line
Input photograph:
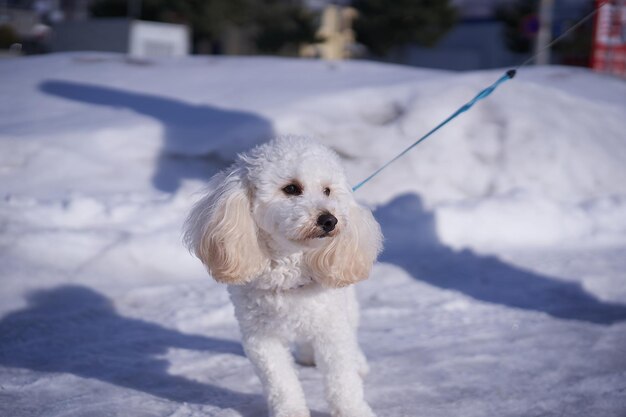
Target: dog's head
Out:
[289,195]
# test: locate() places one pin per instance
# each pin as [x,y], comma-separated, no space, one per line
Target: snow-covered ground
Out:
[501,291]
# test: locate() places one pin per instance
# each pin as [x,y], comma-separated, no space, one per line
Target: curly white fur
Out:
[288,274]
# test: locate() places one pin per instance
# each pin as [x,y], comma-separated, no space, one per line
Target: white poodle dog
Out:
[282,229]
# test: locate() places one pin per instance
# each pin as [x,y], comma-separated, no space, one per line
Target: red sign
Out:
[609,43]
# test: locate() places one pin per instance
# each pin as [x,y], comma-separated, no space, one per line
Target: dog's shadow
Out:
[193,133]
[412,244]
[73,329]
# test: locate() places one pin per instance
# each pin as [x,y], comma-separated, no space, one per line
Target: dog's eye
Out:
[327,191]
[292,189]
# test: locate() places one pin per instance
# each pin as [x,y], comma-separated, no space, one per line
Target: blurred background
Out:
[445,34]
[501,289]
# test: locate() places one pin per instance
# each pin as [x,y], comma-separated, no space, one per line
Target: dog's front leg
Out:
[337,355]
[274,366]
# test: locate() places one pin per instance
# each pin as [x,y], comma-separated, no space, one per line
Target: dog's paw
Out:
[290,410]
[292,414]
[362,410]
[304,354]
[304,361]
[363,367]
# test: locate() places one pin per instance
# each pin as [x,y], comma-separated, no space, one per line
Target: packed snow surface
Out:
[501,290]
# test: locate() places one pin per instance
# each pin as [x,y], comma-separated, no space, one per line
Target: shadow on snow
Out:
[73,329]
[413,245]
[193,132]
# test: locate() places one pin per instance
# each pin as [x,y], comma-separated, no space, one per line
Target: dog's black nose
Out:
[327,222]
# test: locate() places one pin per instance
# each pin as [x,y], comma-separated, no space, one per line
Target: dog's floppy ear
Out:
[349,256]
[221,232]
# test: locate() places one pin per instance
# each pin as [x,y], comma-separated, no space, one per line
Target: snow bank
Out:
[540,162]
[104,313]
[528,166]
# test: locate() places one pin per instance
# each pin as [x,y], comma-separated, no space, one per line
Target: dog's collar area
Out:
[303,282]
[308,283]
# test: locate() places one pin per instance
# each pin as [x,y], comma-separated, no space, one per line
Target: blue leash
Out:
[507,76]
[483,94]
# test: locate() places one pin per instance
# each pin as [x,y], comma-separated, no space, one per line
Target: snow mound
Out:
[104,312]
[530,165]
[539,162]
